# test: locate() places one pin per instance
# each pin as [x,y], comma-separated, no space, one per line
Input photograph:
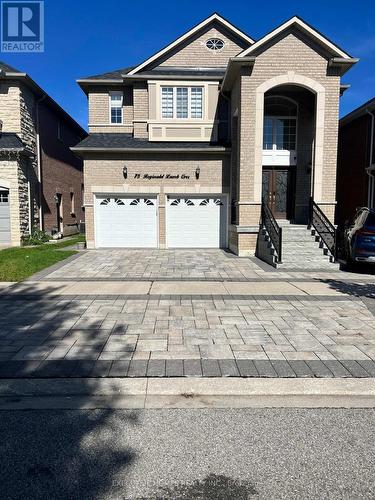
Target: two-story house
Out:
[41,180]
[185,147]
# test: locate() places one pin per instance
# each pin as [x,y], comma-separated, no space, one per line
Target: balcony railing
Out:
[324,228]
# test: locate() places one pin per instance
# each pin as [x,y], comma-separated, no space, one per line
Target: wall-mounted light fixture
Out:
[56,199]
[197,172]
[125,172]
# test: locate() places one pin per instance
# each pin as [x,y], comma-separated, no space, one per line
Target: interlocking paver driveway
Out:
[153,328]
[181,264]
[154,264]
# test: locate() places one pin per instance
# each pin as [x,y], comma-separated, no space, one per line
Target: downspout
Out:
[369,170]
[39,162]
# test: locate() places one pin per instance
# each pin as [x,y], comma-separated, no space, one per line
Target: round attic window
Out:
[215,44]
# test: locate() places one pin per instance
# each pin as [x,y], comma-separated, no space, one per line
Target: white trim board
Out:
[213,17]
[300,23]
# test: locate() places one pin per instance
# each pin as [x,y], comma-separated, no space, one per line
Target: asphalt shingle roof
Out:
[6,67]
[127,141]
[110,75]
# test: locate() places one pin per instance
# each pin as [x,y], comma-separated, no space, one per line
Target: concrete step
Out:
[302,249]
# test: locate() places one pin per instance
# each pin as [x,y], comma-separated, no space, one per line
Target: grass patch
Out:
[17,264]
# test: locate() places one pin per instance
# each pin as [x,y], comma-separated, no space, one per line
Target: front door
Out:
[276,191]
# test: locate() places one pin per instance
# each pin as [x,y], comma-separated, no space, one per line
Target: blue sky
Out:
[89,37]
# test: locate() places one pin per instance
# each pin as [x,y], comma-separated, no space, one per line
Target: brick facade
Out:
[353,159]
[106,176]
[20,104]
[293,63]
[62,172]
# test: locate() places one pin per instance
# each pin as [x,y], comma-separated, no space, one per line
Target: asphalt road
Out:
[188,454]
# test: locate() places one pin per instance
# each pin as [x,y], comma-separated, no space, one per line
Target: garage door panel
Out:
[126,222]
[196,222]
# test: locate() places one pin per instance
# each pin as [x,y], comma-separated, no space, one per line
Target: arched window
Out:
[280,124]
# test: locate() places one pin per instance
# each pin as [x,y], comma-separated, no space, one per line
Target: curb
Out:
[173,393]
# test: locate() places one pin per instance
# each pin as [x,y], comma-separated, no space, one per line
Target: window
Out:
[279,133]
[182,102]
[72,207]
[215,44]
[116,107]
[196,102]
[279,127]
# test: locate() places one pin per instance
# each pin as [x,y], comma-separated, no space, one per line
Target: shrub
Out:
[37,237]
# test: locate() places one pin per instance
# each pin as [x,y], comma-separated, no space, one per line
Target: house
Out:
[41,180]
[356,162]
[185,147]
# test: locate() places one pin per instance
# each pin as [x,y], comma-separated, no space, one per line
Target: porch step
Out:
[303,250]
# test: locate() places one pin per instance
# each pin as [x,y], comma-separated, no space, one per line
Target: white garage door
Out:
[126,222]
[196,222]
[4,217]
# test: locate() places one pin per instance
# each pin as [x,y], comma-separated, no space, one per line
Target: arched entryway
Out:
[5,235]
[289,144]
[288,151]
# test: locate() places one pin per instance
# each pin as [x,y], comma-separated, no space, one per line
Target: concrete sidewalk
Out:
[185,393]
[167,288]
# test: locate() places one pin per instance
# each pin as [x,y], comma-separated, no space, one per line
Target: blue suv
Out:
[359,237]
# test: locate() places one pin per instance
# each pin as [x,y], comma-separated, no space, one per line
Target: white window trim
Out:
[113,93]
[189,117]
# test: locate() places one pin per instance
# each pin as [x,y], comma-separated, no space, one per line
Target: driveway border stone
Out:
[185,368]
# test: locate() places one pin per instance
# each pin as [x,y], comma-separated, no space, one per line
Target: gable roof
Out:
[8,72]
[305,27]
[213,17]
[110,75]
[358,112]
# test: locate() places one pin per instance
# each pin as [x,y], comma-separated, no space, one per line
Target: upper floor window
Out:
[280,124]
[215,44]
[182,102]
[116,107]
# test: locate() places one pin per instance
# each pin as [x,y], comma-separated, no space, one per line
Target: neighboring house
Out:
[183,147]
[41,180]
[356,162]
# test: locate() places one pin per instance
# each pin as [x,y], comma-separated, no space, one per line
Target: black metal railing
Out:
[324,227]
[275,232]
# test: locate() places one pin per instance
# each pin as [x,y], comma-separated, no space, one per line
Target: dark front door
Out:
[276,191]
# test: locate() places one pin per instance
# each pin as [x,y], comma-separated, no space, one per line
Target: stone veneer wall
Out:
[13,176]
[17,112]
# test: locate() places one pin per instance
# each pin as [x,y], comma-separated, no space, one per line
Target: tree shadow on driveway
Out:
[55,454]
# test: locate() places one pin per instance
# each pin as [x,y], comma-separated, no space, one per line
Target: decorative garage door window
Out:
[145,201]
[196,222]
[185,201]
[211,201]
[126,221]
